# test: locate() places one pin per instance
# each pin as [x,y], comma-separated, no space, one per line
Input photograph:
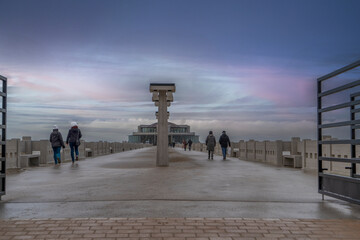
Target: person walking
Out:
[56,144]
[184,143]
[210,143]
[190,143]
[224,142]
[73,138]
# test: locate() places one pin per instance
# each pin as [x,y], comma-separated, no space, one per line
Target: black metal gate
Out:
[341,186]
[3,94]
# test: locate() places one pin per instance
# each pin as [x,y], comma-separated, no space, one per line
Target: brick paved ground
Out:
[180,229]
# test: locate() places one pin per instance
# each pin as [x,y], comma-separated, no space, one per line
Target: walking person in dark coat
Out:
[56,144]
[224,142]
[210,143]
[190,143]
[73,138]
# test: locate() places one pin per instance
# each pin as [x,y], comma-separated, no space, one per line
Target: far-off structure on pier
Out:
[162,95]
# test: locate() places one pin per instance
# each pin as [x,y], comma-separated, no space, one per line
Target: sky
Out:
[245,66]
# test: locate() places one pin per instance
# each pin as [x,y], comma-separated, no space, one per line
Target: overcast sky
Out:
[245,66]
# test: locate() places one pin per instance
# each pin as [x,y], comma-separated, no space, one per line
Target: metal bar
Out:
[2,94]
[339,106]
[319,134]
[3,137]
[353,137]
[338,196]
[338,177]
[340,124]
[356,142]
[346,160]
[341,88]
[356,110]
[339,71]
[355,94]
[3,78]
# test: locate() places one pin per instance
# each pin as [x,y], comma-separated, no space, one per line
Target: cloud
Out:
[109,95]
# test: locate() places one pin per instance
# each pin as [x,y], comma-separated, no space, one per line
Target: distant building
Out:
[177,133]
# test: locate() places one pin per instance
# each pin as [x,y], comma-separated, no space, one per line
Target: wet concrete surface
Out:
[128,184]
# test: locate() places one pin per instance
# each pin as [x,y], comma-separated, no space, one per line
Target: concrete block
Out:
[294,161]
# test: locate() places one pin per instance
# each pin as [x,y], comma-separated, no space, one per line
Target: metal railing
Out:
[3,94]
[342,187]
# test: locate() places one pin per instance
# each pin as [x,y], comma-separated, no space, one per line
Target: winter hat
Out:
[73,124]
[210,132]
[224,132]
[55,127]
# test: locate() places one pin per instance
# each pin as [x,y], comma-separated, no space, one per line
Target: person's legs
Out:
[212,155]
[55,155]
[58,154]
[77,152]
[224,152]
[209,154]
[72,145]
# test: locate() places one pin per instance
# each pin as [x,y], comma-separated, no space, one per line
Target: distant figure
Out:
[224,142]
[173,144]
[210,143]
[56,144]
[184,143]
[190,143]
[73,138]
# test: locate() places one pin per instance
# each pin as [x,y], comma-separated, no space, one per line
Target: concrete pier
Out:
[128,184]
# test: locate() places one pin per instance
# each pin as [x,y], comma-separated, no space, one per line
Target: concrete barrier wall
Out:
[271,152]
[18,150]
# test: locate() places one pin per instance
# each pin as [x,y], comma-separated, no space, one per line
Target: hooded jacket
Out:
[73,135]
[56,139]
[224,141]
[210,142]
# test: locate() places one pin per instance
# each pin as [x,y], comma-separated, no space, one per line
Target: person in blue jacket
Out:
[56,144]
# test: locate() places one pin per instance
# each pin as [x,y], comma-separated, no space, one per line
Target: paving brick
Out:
[117,235]
[243,238]
[162,235]
[149,231]
[207,235]
[95,235]
[185,235]
[171,230]
[180,229]
[60,232]
[197,238]
[5,237]
[104,231]
[220,238]
[140,235]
